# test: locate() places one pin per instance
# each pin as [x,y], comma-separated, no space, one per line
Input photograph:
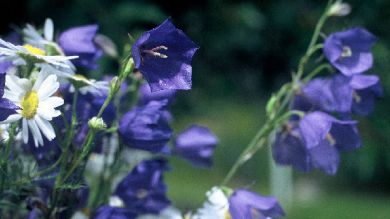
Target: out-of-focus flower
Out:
[6,106]
[163,55]
[244,204]
[289,148]
[146,127]
[216,206]
[315,142]
[143,189]
[339,9]
[37,105]
[196,144]
[20,55]
[33,37]
[341,94]
[80,41]
[350,51]
[108,212]
[324,136]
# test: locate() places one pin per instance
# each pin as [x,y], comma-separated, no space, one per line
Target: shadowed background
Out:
[248,49]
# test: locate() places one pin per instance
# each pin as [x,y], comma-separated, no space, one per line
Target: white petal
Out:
[45,127]
[12,118]
[46,113]
[48,87]
[48,29]
[38,140]
[53,102]
[25,131]
[11,82]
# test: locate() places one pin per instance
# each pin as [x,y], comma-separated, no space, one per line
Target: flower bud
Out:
[339,9]
[97,124]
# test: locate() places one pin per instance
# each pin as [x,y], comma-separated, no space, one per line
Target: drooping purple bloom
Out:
[7,108]
[143,190]
[315,141]
[79,41]
[163,55]
[340,94]
[324,136]
[196,144]
[365,90]
[289,148]
[108,212]
[146,127]
[145,95]
[244,204]
[350,51]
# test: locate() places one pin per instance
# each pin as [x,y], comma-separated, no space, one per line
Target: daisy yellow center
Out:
[34,50]
[29,104]
[227,215]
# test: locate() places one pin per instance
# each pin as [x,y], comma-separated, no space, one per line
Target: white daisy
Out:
[19,54]
[37,104]
[97,88]
[216,207]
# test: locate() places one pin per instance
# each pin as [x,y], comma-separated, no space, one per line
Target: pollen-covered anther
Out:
[29,104]
[330,139]
[156,52]
[347,52]
[356,97]
[142,193]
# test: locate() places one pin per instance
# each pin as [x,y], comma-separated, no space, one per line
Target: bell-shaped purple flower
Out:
[350,51]
[163,55]
[244,204]
[108,212]
[324,136]
[289,148]
[340,94]
[80,41]
[7,108]
[146,127]
[143,190]
[315,141]
[365,90]
[196,144]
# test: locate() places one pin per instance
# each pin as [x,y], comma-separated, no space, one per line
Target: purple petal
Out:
[196,144]
[244,204]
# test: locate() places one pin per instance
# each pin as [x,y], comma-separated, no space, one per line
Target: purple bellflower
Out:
[289,149]
[350,51]
[108,212]
[146,127]
[324,136]
[315,142]
[6,106]
[244,204]
[143,189]
[340,94]
[79,41]
[163,55]
[196,144]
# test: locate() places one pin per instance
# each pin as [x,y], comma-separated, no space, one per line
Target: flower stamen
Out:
[347,52]
[155,52]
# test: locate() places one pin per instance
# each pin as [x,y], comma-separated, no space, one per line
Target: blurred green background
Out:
[248,49]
